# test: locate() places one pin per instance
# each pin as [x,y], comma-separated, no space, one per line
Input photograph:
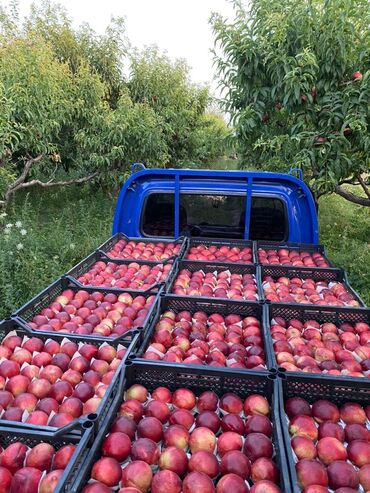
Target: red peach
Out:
[26,480]
[231,482]
[196,482]
[202,438]
[40,456]
[13,456]
[164,482]
[63,456]
[145,450]
[50,481]
[229,441]
[359,452]
[107,470]
[341,474]
[174,459]
[158,410]
[351,412]
[125,425]
[330,449]
[257,445]
[256,404]
[304,448]
[204,462]
[303,426]
[235,462]
[310,472]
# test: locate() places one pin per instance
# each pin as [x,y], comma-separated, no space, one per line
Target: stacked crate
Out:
[196,321]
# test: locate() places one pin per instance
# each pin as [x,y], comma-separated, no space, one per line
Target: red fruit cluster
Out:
[197,445]
[47,383]
[322,348]
[140,250]
[32,470]
[224,253]
[95,313]
[331,445]
[125,276]
[293,258]
[221,284]
[307,291]
[201,339]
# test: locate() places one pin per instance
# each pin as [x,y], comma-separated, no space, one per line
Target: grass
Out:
[64,226]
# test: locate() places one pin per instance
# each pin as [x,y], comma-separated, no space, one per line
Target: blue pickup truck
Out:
[217,204]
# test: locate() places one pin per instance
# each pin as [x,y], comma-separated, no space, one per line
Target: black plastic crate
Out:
[130,343]
[312,390]
[105,247]
[317,274]
[322,315]
[87,263]
[218,242]
[178,304]
[291,246]
[31,438]
[212,267]
[42,300]
[198,380]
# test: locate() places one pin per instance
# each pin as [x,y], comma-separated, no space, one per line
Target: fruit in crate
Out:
[291,258]
[140,250]
[188,460]
[57,382]
[29,469]
[217,284]
[125,276]
[224,253]
[310,346]
[201,339]
[307,291]
[97,313]
[329,451]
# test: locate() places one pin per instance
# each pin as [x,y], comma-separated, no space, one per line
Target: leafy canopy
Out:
[296,81]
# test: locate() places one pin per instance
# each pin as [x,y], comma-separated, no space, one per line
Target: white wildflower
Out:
[18,224]
[23,232]
[9,225]
[20,246]
[6,231]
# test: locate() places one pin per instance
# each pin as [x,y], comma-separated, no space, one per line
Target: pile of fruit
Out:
[219,284]
[308,291]
[322,348]
[140,250]
[331,445]
[167,442]
[214,340]
[32,469]
[47,383]
[291,258]
[125,276]
[225,253]
[83,313]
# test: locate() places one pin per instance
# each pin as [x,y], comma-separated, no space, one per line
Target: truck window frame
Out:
[213,192]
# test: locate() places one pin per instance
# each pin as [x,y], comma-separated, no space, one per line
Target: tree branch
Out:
[364,187]
[13,188]
[352,197]
[25,171]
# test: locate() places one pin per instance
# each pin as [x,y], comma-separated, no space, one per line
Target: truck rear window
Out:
[214,216]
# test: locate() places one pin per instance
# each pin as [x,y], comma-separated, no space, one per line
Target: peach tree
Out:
[295,79]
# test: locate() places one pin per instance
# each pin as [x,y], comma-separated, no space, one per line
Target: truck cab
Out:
[249,205]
